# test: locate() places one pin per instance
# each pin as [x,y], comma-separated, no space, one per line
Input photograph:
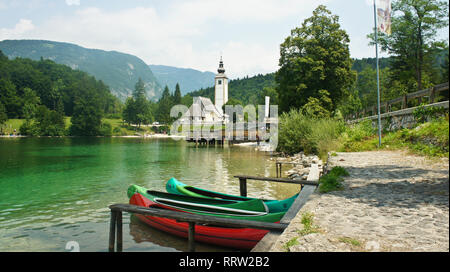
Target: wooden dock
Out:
[308,187]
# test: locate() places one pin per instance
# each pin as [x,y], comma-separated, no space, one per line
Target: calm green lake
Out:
[56,190]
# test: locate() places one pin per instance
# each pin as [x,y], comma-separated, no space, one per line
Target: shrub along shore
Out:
[302,133]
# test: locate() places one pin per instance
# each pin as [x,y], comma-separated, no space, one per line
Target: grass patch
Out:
[429,139]
[350,241]
[11,124]
[308,224]
[332,180]
[290,243]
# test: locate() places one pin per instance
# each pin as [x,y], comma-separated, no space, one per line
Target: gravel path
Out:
[392,201]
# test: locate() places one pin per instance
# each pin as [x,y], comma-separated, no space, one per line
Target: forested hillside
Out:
[118,70]
[43,92]
[248,90]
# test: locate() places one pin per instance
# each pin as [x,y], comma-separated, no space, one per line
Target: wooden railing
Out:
[428,96]
[116,234]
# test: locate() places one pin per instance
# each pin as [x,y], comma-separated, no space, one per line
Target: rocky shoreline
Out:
[301,165]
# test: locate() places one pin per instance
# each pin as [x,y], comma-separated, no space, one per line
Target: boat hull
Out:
[254,210]
[239,238]
[174,186]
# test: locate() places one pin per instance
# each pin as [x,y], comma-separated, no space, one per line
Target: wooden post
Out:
[405,102]
[243,186]
[119,232]
[432,95]
[112,231]
[191,237]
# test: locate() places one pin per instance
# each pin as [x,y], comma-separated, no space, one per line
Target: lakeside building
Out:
[202,110]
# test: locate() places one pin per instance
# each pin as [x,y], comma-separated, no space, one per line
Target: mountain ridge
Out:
[189,79]
[120,71]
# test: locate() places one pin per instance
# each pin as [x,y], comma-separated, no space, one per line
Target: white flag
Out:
[384,16]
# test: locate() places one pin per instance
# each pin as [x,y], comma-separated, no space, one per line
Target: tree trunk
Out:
[420,60]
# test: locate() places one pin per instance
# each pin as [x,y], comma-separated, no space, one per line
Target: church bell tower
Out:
[221,87]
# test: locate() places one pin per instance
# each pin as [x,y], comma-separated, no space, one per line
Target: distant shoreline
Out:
[156,136]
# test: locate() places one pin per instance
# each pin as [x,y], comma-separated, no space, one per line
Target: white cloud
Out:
[20,30]
[182,34]
[73,2]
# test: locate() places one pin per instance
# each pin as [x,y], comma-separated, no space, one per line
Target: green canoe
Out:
[174,186]
[255,210]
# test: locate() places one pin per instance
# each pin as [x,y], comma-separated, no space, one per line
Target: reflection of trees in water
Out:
[141,233]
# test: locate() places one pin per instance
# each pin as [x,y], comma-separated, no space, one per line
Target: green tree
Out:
[137,108]
[413,41]
[129,112]
[49,122]
[3,116]
[30,102]
[164,106]
[87,116]
[318,107]
[139,90]
[444,67]
[314,57]
[177,95]
[10,98]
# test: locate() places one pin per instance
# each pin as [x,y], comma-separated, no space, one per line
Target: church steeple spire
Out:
[221,70]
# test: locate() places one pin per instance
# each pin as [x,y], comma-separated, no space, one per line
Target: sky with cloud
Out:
[183,33]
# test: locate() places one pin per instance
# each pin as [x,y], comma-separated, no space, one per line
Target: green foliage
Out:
[429,139]
[165,104]
[106,129]
[332,180]
[307,221]
[86,119]
[3,117]
[138,110]
[43,92]
[299,132]
[318,107]
[360,131]
[46,123]
[248,90]
[314,57]
[177,95]
[118,70]
[413,43]
[423,114]
[290,243]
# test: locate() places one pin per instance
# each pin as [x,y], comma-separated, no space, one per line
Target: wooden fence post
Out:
[191,237]
[405,102]
[112,231]
[119,232]
[432,95]
[243,186]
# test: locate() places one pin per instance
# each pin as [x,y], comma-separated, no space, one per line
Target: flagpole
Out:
[378,72]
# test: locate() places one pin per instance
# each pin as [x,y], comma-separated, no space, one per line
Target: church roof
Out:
[201,107]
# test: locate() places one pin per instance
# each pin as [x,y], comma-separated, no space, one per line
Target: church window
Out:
[219,82]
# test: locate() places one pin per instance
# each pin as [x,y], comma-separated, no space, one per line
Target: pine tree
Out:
[177,95]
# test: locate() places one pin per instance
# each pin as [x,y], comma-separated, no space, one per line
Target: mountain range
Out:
[118,70]
[189,79]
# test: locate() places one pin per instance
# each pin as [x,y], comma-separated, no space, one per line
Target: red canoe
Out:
[240,238]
